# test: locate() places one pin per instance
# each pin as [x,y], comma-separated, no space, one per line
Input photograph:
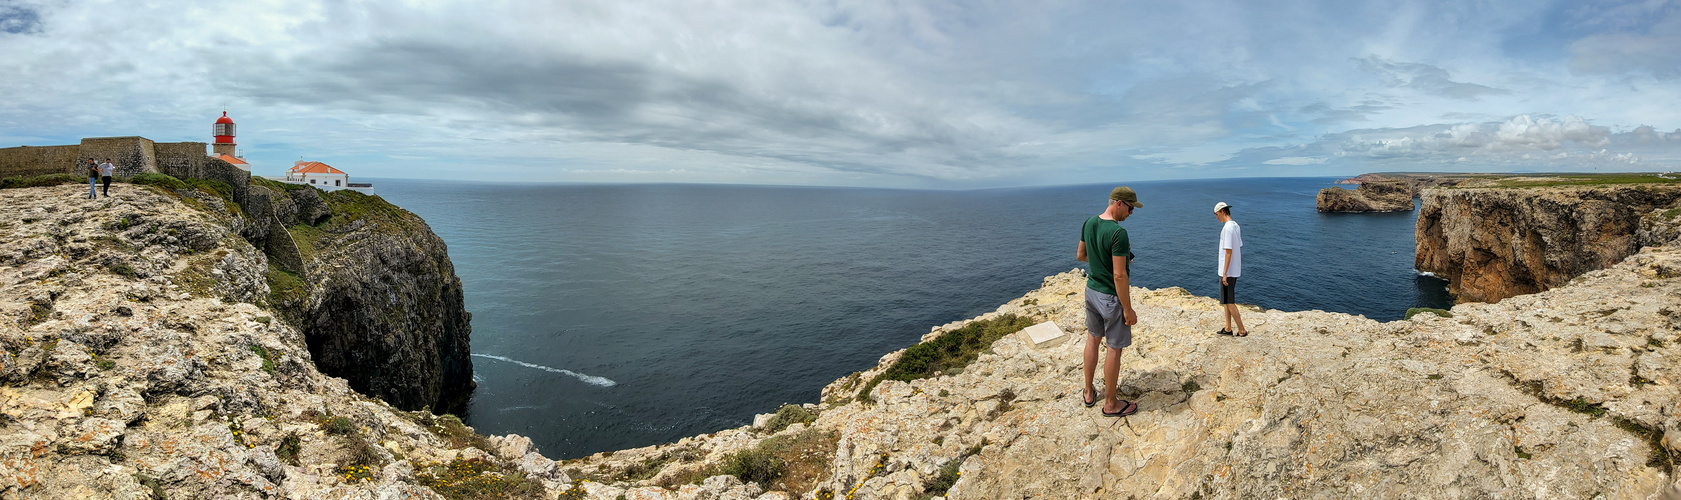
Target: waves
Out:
[588,379]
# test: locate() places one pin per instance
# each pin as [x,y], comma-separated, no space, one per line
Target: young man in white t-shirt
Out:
[1231,266]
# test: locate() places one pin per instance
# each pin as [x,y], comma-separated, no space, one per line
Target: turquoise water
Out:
[616,316]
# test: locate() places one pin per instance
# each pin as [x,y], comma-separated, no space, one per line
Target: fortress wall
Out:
[131,155]
[30,161]
[181,159]
[218,170]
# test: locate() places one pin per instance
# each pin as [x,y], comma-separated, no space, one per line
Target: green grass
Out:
[159,180]
[268,360]
[283,286]
[1553,180]
[1582,406]
[276,185]
[289,448]
[41,181]
[952,350]
[1419,310]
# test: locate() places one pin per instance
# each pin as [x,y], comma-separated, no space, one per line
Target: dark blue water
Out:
[615,316]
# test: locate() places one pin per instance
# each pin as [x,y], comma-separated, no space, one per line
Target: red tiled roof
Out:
[314,167]
[231,159]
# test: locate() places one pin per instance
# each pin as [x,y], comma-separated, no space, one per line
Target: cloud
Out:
[1426,78]
[19,20]
[1296,160]
[942,93]
[1640,37]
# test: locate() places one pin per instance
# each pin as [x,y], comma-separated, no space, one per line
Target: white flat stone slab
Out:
[1044,334]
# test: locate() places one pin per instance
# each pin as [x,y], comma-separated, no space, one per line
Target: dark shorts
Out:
[1228,291]
[1104,318]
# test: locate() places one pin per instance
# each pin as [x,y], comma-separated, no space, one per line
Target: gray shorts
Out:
[1104,319]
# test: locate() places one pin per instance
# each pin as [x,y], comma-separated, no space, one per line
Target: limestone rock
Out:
[135,359]
[1375,196]
[1494,243]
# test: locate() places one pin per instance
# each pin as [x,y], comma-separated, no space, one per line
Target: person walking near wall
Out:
[93,179]
[1231,266]
[1109,316]
[105,170]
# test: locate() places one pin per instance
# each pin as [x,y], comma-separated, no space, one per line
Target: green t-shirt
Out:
[1104,240]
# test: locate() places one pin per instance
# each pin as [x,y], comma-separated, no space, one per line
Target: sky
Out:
[910,94]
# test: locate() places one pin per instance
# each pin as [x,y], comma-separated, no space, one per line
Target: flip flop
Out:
[1223,331]
[1128,409]
[1089,402]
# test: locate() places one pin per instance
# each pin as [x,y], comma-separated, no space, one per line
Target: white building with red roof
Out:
[323,176]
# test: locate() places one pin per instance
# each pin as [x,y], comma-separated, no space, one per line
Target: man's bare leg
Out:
[1111,373]
[1232,315]
[1092,342]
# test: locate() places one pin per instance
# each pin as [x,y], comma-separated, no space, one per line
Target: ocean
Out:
[616,316]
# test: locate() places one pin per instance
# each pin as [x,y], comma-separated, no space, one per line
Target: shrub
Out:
[477,478]
[952,350]
[289,448]
[1439,312]
[41,180]
[789,415]
[754,465]
[340,425]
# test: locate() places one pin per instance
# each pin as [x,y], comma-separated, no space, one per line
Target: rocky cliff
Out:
[1497,242]
[1371,196]
[373,290]
[1568,393]
[138,360]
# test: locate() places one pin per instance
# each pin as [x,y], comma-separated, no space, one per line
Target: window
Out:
[336,183]
[312,181]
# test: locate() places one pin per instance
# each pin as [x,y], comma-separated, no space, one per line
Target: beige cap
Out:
[1220,205]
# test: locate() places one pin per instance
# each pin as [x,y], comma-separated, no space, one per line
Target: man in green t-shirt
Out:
[1109,315]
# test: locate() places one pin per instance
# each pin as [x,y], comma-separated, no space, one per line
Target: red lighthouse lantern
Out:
[223,130]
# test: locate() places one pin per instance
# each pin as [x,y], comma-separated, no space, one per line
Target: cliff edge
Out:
[1371,196]
[373,290]
[1567,393]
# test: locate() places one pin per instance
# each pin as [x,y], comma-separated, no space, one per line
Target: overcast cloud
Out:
[878,93]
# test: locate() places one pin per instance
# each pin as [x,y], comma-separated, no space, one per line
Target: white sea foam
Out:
[1425,273]
[588,379]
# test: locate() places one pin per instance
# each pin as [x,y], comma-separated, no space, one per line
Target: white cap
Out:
[1220,205]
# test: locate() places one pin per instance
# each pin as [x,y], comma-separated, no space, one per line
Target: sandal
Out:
[1223,331]
[1241,334]
[1127,408]
[1091,401]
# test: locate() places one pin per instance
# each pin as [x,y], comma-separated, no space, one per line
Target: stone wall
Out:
[30,161]
[131,155]
[181,160]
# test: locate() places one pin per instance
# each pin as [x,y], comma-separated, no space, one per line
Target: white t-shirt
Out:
[1231,237]
[106,168]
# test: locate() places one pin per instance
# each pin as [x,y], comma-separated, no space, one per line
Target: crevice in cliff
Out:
[1658,456]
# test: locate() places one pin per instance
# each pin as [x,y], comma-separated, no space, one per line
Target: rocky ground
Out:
[1569,393]
[139,359]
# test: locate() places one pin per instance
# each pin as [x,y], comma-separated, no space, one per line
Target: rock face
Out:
[137,360]
[1371,196]
[1494,243]
[379,304]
